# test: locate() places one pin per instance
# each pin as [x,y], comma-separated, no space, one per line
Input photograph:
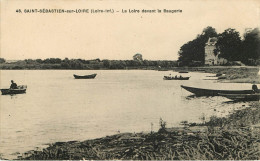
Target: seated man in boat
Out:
[254,88]
[13,85]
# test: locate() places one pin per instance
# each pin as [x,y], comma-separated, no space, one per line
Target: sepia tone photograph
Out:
[130,80]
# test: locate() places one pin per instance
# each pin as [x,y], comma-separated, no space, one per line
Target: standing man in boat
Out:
[254,88]
[13,85]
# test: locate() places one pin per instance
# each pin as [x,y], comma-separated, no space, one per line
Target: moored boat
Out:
[183,72]
[242,97]
[213,92]
[175,78]
[92,76]
[20,90]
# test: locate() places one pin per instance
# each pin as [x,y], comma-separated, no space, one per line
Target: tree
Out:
[194,50]
[29,61]
[2,60]
[106,63]
[39,61]
[138,57]
[229,45]
[251,46]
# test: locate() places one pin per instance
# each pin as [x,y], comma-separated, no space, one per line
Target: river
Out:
[57,107]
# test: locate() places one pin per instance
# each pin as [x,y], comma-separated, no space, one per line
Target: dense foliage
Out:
[57,63]
[194,51]
[2,60]
[230,46]
[251,47]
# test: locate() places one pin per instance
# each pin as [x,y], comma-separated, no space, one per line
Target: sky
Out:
[115,36]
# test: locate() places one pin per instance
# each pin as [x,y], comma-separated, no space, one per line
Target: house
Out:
[211,57]
[138,57]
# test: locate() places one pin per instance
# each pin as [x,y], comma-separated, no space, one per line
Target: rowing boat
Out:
[213,92]
[175,78]
[92,76]
[20,90]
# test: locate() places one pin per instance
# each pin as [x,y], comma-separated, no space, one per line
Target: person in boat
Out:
[13,85]
[180,76]
[254,88]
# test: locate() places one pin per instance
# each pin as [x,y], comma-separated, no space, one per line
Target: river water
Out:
[57,107]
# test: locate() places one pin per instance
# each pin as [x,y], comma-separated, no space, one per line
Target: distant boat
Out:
[92,76]
[183,72]
[162,69]
[175,78]
[20,90]
[212,92]
[242,97]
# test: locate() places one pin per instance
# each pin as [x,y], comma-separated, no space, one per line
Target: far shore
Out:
[225,74]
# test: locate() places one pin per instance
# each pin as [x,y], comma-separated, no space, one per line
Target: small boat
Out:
[217,75]
[183,72]
[162,69]
[213,92]
[175,78]
[242,97]
[20,90]
[92,76]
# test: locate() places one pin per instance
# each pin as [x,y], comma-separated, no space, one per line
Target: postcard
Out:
[129,80]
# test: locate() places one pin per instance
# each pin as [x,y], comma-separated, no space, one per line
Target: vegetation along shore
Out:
[229,74]
[235,137]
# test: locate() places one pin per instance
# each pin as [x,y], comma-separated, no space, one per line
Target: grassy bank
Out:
[235,137]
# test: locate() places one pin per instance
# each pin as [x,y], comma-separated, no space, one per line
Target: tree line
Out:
[230,45]
[57,63]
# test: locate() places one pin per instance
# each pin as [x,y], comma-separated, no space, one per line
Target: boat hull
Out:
[211,92]
[242,97]
[20,90]
[92,76]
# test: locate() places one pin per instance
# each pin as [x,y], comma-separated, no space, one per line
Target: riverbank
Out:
[228,74]
[233,138]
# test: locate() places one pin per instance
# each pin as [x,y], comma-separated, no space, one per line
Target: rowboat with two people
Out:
[92,76]
[175,78]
